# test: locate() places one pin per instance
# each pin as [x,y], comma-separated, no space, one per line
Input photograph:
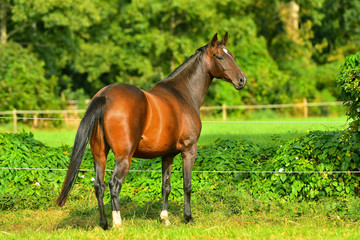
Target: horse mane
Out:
[188,62]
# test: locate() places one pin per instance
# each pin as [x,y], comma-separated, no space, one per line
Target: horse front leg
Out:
[167,163]
[188,157]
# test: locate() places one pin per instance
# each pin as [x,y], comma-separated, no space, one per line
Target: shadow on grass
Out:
[88,218]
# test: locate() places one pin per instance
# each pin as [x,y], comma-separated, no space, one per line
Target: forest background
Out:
[53,51]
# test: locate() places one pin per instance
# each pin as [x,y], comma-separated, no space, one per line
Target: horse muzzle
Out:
[240,84]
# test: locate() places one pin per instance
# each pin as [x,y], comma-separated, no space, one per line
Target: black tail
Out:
[94,116]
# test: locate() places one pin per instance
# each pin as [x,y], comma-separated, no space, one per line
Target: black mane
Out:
[187,63]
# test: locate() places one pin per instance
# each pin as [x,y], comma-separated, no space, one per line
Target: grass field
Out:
[268,132]
[31,225]
[214,220]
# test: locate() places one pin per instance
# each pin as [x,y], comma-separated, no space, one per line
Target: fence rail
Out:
[194,171]
[304,105]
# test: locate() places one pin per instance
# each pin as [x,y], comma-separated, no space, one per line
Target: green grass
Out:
[210,226]
[214,220]
[264,132]
[268,132]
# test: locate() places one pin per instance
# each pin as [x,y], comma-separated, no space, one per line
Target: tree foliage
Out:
[288,49]
[23,84]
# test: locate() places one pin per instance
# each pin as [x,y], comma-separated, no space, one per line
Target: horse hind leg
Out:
[100,150]
[121,169]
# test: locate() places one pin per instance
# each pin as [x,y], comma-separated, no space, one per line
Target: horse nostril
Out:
[242,80]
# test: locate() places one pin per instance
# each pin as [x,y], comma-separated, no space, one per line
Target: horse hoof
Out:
[190,221]
[116,219]
[104,225]
[165,217]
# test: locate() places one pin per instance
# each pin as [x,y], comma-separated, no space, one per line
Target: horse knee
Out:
[99,189]
[167,189]
[187,188]
[115,187]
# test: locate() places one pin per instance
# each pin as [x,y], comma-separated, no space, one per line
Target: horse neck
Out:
[191,81]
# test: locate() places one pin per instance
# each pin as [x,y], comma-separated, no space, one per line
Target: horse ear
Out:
[225,38]
[214,40]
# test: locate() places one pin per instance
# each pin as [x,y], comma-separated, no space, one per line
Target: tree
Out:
[3,21]
[289,49]
[338,35]
[23,84]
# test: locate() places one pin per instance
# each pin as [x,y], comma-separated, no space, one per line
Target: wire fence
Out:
[71,115]
[195,171]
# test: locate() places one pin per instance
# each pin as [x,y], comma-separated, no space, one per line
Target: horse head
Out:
[222,63]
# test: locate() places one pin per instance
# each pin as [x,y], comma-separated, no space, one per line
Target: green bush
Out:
[349,81]
[23,82]
[24,188]
[316,151]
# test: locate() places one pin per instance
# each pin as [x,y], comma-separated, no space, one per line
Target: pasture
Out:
[326,219]
[220,213]
[274,221]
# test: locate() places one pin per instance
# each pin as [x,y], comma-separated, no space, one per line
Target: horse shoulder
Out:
[186,116]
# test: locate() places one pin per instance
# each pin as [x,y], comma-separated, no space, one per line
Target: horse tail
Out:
[94,116]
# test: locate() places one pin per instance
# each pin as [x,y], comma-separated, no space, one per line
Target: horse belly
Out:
[151,147]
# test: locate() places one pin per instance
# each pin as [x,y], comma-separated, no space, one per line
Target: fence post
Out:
[224,112]
[305,108]
[35,123]
[15,120]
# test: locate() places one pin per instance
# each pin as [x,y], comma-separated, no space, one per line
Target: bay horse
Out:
[162,122]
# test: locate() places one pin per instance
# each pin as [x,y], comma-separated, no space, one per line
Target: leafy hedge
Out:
[316,151]
[23,188]
[348,81]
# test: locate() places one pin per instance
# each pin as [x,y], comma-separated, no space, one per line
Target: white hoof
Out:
[116,218]
[164,216]
[167,222]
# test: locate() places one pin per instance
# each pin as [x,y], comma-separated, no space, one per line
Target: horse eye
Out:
[219,57]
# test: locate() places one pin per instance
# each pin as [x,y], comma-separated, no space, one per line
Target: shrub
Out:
[316,151]
[16,186]
[349,81]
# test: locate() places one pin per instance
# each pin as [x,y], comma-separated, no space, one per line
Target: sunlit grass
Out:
[268,131]
[273,220]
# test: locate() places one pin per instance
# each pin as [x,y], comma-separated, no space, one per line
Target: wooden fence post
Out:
[36,121]
[305,108]
[224,112]
[15,120]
